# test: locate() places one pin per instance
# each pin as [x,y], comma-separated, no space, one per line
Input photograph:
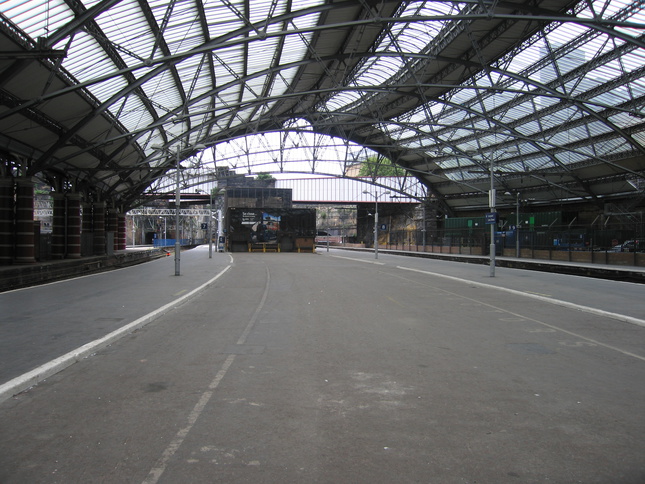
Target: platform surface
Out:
[331,368]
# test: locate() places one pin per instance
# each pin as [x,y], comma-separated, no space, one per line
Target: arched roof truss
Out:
[548,94]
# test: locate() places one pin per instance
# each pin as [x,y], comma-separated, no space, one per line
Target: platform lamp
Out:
[178,200]
[376,196]
[491,203]
[210,224]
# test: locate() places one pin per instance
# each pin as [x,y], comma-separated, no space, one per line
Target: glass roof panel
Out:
[126,27]
[467,114]
[37,18]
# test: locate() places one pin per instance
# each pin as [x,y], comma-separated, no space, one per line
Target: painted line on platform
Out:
[31,378]
[523,318]
[359,260]
[157,471]
[559,302]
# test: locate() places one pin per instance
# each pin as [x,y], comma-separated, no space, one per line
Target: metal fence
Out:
[609,244]
[555,237]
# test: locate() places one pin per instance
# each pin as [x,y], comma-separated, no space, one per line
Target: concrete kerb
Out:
[598,312]
[33,377]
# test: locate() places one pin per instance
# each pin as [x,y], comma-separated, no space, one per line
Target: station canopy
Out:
[546,96]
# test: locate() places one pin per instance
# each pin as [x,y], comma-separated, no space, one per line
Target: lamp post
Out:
[375,195]
[210,225]
[178,202]
[491,206]
[177,207]
[517,225]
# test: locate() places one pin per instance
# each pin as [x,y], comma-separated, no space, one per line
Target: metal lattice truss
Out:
[158,212]
[105,96]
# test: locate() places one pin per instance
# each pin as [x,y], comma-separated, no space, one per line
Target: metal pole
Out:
[376,226]
[210,227]
[491,204]
[425,226]
[177,205]
[517,227]
[219,227]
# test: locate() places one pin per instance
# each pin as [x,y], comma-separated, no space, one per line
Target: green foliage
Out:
[373,166]
[265,176]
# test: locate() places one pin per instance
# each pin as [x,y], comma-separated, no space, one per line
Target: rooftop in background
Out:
[350,190]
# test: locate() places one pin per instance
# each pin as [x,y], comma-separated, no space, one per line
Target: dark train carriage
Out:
[271,229]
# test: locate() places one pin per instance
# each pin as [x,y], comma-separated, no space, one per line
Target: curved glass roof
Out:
[105,95]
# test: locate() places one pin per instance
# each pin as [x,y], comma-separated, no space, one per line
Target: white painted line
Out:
[359,260]
[156,472]
[27,380]
[521,317]
[598,312]
[254,318]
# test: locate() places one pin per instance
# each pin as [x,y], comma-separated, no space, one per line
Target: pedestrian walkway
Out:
[631,273]
[42,323]
[335,367]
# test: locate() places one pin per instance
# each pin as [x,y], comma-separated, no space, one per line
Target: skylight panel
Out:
[637,87]
[305,21]
[415,39]
[37,18]
[615,97]
[106,89]
[261,54]
[281,82]
[260,10]
[633,60]
[254,88]
[135,114]
[189,70]
[126,26]
[378,70]
[568,157]
[639,137]
[519,111]
[221,21]
[625,120]
[86,59]
[228,61]
[453,117]
[183,29]
[529,128]
[608,71]
[599,44]
[544,101]
[448,164]
[228,98]
[293,50]
[565,33]
[342,99]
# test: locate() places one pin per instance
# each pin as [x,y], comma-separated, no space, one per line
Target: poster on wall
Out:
[250,217]
[266,229]
[270,226]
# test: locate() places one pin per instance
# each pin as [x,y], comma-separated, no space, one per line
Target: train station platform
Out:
[628,273]
[23,275]
[326,367]
[18,276]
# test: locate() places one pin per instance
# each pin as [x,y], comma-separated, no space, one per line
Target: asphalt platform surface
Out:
[324,368]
